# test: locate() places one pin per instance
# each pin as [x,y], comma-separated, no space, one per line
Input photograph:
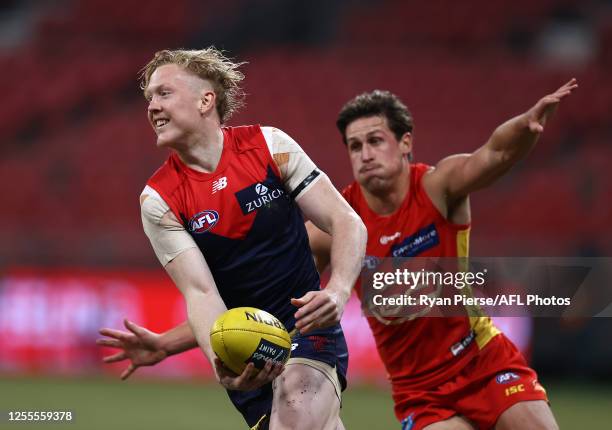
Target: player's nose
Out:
[154,106]
[366,153]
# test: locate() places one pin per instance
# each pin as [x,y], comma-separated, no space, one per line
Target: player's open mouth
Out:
[159,123]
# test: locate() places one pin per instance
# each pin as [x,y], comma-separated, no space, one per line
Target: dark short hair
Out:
[375,103]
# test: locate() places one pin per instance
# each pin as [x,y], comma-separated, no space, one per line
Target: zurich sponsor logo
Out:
[203,221]
[261,189]
[257,196]
[507,377]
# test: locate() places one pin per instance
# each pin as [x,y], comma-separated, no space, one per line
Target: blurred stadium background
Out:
[76,151]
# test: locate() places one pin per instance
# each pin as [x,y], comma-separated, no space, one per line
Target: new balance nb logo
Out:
[219,184]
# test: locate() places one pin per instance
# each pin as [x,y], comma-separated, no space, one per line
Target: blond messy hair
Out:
[209,64]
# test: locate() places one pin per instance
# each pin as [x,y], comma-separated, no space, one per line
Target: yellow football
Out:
[244,335]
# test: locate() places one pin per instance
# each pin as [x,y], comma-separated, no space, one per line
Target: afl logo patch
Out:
[203,221]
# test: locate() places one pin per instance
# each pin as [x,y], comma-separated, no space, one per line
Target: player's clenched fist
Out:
[318,309]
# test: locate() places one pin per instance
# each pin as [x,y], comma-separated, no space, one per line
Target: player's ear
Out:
[207,101]
[405,144]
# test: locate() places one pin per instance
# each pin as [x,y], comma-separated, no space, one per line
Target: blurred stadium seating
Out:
[76,141]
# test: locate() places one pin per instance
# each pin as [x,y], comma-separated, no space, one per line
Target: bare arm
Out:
[320,245]
[143,347]
[326,208]
[178,339]
[192,276]
[458,175]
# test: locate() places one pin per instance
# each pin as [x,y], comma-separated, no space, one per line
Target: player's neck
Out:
[203,153]
[388,200]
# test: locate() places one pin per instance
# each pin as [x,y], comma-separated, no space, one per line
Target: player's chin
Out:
[373,182]
[163,141]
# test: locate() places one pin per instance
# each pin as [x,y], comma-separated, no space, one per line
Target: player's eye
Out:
[354,147]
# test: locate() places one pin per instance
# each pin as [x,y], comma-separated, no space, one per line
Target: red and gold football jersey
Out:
[425,351]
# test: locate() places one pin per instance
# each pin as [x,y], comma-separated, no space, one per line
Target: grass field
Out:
[110,404]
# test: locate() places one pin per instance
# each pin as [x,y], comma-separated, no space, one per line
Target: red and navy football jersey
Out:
[248,227]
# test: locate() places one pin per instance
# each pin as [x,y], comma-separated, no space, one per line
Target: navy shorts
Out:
[326,345]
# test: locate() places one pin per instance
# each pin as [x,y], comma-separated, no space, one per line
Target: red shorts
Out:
[497,378]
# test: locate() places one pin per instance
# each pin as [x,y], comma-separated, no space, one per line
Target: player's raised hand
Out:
[546,106]
[318,309]
[250,379]
[138,345]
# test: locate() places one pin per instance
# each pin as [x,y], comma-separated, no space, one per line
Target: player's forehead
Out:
[171,75]
[362,127]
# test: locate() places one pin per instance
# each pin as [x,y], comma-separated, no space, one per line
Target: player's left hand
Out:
[547,105]
[250,379]
[318,309]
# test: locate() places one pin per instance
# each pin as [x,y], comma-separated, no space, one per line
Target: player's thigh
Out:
[304,398]
[454,423]
[527,415]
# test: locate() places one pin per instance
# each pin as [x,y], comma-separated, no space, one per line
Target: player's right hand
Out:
[139,345]
[547,105]
[250,379]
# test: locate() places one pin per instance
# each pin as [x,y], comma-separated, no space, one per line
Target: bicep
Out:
[322,204]
[456,176]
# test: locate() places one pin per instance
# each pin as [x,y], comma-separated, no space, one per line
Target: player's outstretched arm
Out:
[459,175]
[326,208]
[143,347]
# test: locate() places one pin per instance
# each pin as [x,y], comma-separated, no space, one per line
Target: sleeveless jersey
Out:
[250,231]
[426,350]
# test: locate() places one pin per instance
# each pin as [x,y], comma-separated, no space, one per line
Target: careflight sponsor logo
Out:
[417,243]
[257,196]
[203,221]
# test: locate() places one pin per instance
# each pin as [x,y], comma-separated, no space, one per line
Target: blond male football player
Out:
[224,217]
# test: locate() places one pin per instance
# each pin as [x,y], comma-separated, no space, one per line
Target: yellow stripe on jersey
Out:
[482,325]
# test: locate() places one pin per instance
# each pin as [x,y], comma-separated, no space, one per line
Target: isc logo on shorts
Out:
[514,389]
[203,221]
